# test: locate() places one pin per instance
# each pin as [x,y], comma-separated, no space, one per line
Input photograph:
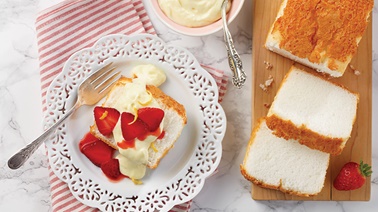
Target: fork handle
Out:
[18,159]
[234,61]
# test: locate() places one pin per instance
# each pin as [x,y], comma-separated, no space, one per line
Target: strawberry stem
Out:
[365,169]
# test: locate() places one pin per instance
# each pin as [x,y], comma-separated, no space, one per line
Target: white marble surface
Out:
[27,189]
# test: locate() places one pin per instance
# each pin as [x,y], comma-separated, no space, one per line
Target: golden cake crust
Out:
[288,130]
[320,29]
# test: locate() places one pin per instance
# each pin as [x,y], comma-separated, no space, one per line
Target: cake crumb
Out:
[355,71]
[263,87]
[268,65]
[266,105]
[267,83]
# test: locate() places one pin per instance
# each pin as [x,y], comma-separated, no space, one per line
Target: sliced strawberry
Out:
[131,128]
[161,136]
[96,151]
[87,139]
[151,116]
[126,144]
[106,119]
[111,168]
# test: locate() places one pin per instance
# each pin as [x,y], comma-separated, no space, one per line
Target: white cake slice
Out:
[174,121]
[314,111]
[285,165]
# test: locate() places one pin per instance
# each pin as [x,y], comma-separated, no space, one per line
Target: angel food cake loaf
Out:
[285,165]
[321,34]
[139,120]
[314,111]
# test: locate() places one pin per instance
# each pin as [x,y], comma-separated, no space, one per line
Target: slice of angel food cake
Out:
[313,110]
[135,126]
[286,165]
[321,34]
[310,119]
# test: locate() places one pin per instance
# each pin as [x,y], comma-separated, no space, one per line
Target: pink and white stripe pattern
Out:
[220,78]
[76,24]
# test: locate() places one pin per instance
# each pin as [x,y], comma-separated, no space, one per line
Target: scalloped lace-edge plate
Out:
[182,172]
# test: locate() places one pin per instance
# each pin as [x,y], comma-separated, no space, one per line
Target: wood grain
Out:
[358,146]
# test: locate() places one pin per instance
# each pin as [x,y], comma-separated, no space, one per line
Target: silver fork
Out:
[234,60]
[90,91]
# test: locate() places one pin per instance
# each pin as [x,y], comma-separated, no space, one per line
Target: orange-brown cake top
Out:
[319,29]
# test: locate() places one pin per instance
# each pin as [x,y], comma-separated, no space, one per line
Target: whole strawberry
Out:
[352,176]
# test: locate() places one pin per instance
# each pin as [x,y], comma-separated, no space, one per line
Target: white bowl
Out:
[197,31]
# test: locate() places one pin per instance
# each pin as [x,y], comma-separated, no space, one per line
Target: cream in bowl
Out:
[193,13]
[194,17]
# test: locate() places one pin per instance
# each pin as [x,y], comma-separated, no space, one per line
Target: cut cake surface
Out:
[313,110]
[285,165]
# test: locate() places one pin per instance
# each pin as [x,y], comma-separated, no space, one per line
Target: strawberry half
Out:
[151,116]
[87,140]
[95,150]
[352,176]
[132,129]
[111,168]
[106,119]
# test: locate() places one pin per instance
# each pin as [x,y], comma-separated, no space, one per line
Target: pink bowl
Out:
[197,31]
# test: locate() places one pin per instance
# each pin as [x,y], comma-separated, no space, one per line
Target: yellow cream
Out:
[193,13]
[130,168]
[149,74]
[130,98]
[132,161]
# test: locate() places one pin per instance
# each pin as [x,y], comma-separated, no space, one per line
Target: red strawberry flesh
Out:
[111,168]
[86,140]
[151,116]
[126,144]
[161,135]
[106,119]
[95,150]
[132,129]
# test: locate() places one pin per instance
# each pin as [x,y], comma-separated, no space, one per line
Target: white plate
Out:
[182,172]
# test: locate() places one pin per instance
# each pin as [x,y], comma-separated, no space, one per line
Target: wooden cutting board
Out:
[358,146]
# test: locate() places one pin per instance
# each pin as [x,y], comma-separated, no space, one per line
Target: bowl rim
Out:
[197,31]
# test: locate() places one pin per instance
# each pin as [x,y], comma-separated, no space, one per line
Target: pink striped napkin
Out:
[76,24]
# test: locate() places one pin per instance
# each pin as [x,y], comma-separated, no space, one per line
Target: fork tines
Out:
[104,78]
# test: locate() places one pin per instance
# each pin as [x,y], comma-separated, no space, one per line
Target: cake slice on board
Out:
[323,35]
[285,165]
[318,113]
